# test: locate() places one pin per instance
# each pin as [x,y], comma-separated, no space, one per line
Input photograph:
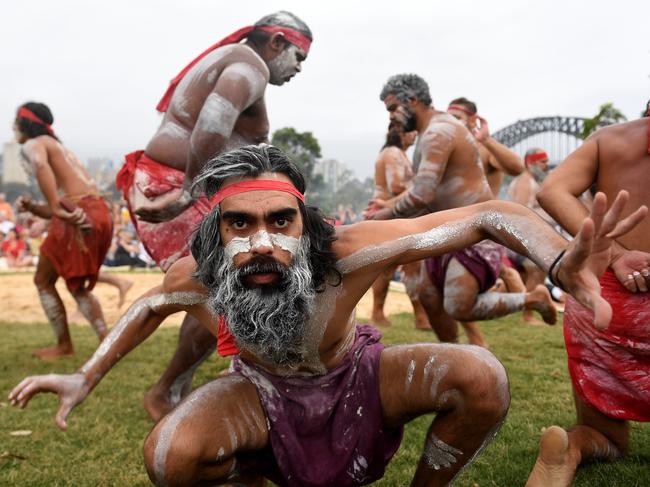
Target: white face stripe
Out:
[239,245]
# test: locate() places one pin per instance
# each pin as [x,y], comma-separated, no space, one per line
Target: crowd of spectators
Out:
[21,235]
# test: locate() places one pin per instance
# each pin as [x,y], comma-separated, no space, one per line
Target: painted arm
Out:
[437,145]
[372,246]
[239,86]
[35,154]
[560,196]
[140,321]
[502,158]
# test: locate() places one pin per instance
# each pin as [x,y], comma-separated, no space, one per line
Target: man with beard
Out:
[609,367]
[313,398]
[450,175]
[216,103]
[523,190]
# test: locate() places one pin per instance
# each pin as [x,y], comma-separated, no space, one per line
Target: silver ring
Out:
[636,273]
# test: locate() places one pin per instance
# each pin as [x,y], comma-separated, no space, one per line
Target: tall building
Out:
[332,170]
[12,170]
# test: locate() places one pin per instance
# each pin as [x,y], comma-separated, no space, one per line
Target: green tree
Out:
[302,147]
[607,115]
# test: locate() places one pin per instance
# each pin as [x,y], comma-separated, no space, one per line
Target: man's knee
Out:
[484,385]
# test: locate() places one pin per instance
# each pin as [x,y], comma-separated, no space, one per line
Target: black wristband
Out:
[555,263]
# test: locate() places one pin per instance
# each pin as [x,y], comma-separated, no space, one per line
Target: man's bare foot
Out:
[157,404]
[540,300]
[50,353]
[555,466]
[380,319]
[529,318]
[123,287]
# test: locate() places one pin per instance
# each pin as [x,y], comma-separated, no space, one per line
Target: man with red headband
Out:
[313,398]
[523,190]
[609,366]
[497,159]
[80,231]
[216,103]
[450,175]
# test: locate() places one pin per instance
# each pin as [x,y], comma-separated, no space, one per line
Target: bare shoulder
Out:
[240,55]
[627,140]
[180,277]
[443,128]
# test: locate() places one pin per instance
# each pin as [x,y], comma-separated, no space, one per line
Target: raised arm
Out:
[501,157]
[140,321]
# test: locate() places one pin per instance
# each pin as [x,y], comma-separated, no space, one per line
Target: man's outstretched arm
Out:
[140,321]
[372,246]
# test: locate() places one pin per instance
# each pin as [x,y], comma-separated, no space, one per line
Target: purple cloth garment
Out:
[327,430]
[482,260]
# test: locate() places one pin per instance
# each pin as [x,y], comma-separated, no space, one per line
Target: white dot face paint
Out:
[239,245]
[218,115]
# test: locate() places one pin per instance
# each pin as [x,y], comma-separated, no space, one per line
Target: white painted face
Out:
[285,65]
[261,239]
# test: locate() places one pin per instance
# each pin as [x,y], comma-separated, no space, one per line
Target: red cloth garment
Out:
[610,369]
[141,177]
[293,36]
[226,344]
[75,254]
[166,242]
[325,430]
[482,260]
[27,114]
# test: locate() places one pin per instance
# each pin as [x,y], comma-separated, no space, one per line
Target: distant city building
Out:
[331,170]
[11,170]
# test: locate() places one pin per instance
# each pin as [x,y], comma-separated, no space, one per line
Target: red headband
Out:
[461,108]
[293,36]
[538,156]
[255,185]
[32,117]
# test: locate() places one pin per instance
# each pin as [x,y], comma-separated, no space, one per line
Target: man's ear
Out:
[277,42]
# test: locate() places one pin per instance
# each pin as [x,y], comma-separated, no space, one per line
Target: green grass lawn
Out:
[103,444]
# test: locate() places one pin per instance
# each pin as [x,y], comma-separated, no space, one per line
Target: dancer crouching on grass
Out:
[310,387]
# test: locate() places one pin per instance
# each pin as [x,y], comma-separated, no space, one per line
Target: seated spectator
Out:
[124,250]
[6,207]
[15,250]
[5,223]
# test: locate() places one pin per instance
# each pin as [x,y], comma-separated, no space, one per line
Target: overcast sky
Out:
[102,66]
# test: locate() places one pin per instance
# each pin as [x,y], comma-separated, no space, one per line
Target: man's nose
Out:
[261,243]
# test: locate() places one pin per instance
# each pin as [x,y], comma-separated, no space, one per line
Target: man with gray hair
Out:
[450,175]
[216,103]
[313,398]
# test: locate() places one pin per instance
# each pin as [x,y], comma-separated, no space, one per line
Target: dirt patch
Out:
[20,303]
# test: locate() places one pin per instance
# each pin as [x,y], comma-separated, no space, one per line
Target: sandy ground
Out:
[19,300]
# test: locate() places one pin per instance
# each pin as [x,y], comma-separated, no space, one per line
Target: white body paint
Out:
[218,116]
[239,245]
[254,78]
[54,312]
[439,454]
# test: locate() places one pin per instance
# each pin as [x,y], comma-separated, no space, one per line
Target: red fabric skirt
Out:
[610,369]
[77,255]
[142,177]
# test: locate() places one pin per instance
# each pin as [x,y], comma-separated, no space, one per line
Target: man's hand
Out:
[378,209]
[23,203]
[71,389]
[632,269]
[588,255]
[166,207]
[482,133]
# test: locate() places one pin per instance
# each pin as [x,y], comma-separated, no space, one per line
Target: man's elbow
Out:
[544,197]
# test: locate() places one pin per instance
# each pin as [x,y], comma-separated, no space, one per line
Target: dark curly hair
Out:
[405,87]
[281,19]
[34,129]
[249,162]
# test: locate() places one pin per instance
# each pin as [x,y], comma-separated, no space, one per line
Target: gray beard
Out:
[269,322]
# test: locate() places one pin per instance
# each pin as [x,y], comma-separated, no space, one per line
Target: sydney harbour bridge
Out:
[558,136]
